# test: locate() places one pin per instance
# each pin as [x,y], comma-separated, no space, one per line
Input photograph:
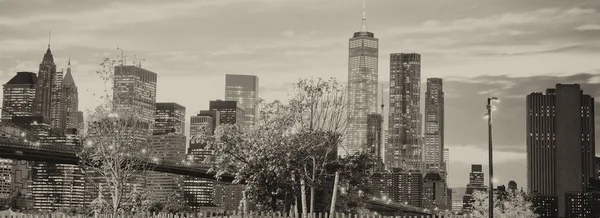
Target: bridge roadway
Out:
[19,149]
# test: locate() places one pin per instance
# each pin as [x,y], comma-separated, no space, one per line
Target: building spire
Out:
[49,35]
[364,17]
[69,60]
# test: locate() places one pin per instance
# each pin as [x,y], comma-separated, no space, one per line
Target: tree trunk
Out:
[334,194]
[312,188]
[116,201]
[303,191]
[246,209]
[273,203]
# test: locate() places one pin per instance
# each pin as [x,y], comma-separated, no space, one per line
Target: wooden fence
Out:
[221,215]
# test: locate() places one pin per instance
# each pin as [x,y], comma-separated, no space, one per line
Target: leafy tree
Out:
[513,205]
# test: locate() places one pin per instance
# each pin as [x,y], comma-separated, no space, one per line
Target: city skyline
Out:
[20,53]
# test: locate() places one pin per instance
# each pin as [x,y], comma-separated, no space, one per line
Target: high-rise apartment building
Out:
[363,63]
[476,175]
[170,117]
[69,102]
[5,180]
[228,196]
[434,126]
[19,95]
[244,90]
[405,143]
[47,102]
[80,122]
[134,93]
[560,142]
[230,112]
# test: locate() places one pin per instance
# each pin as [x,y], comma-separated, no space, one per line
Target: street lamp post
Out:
[490,106]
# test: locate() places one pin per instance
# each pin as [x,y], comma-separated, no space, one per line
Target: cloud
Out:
[469,154]
[231,50]
[288,33]
[586,27]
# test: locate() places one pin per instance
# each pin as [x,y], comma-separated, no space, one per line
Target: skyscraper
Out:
[407,187]
[434,126]
[80,122]
[244,90]
[19,95]
[362,85]
[475,184]
[170,117]
[434,191]
[447,163]
[230,112]
[69,102]
[134,92]
[560,142]
[404,143]
[47,101]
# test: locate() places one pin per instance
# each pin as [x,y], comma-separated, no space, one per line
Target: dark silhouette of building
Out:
[244,90]
[170,117]
[374,125]
[405,142]
[230,112]
[512,186]
[560,142]
[381,185]
[544,206]
[434,126]
[19,95]
[363,57]
[582,204]
[434,191]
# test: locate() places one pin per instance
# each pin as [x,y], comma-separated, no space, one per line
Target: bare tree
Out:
[320,106]
[114,147]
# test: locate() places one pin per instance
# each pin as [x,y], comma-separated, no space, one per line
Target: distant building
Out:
[374,133]
[170,117]
[171,148]
[434,126]
[80,122]
[5,179]
[560,142]
[19,95]
[475,184]
[244,90]
[434,191]
[381,185]
[447,164]
[230,112]
[407,187]
[405,141]
[47,101]
[134,93]
[586,204]
[545,206]
[457,198]
[512,186]
[228,196]
[69,102]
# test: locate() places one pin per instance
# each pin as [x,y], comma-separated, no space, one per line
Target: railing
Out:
[226,215]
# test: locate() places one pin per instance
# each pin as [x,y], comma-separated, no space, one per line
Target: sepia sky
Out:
[505,48]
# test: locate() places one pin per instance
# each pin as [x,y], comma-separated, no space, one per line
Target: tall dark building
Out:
[405,142]
[434,191]
[170,117]
[434,126]
[545,206]
[69,102]
[381,184]
[19,95]
[47,101]
[560,142]
[374,134]
[582,204]
[476,175]
[363,61]
[244,90]
[230,112]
